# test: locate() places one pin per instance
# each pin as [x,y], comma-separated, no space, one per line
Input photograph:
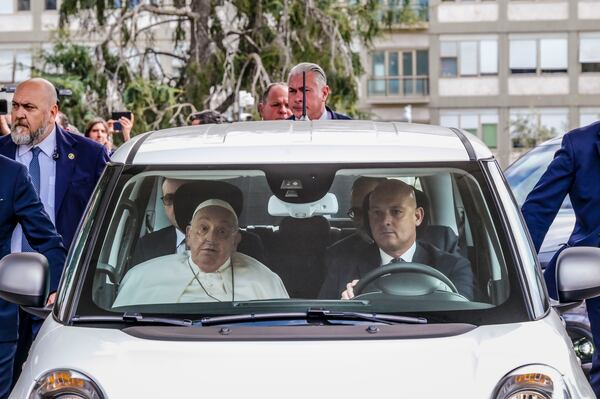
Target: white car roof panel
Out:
[301,142]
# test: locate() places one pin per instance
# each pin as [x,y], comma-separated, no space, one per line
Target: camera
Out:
[117,127]
[3,107]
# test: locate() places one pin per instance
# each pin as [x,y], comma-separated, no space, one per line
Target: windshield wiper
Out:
[133,318]
[314,315]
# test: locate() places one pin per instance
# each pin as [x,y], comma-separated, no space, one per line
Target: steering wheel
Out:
[408,279]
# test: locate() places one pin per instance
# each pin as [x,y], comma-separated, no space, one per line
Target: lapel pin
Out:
[71,155]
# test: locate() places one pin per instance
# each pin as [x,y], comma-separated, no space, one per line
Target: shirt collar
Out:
[48,145]
[406,256]
[221,268]
[325,115]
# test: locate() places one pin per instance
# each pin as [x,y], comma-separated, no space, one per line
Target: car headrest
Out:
[190,195]
[328,205]
[315,228]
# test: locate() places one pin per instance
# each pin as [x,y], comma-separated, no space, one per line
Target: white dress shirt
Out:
[179,242]
[406,256]
[47,180]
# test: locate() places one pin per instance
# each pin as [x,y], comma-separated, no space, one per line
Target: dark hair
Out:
[207,116]
[90,125]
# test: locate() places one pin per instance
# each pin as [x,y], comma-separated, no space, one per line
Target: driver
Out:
[392,218]
[210,271]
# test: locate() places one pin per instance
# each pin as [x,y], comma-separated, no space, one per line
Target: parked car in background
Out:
[522,175]
[409,331]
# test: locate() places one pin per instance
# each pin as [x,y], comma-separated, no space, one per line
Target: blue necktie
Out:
[34,173]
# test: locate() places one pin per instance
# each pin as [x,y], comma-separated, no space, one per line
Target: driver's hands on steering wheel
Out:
[349,292]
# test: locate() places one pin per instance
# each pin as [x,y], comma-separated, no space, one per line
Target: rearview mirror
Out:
[578,274]
[24,279]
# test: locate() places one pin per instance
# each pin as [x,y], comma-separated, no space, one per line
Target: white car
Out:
[410,332]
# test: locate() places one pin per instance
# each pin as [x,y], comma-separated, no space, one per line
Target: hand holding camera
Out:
[121,122]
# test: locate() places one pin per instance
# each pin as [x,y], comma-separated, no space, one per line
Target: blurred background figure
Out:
[63,121]
[205,117]
[4,127]
[97,130]
[273,103]
[101,131]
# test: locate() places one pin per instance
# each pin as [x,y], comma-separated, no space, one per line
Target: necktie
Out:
[397,260]
[34,173]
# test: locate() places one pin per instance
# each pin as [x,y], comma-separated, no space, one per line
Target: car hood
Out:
[468,365]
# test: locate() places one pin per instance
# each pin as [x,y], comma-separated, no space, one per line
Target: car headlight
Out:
[532,382]
[65,384]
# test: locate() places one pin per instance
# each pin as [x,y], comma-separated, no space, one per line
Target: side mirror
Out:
[24,279]
[578,274]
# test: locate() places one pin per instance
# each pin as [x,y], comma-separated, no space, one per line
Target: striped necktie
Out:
[34,173]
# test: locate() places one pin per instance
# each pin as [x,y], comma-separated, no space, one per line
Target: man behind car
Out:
[273,103]
[211,271]
[392,218]
[316,90]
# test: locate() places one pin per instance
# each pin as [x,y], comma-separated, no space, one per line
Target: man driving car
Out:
[392,218]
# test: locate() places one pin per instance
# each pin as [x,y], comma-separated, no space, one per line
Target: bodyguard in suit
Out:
[64,167]
[168,240]
[575,170]
[393,217]
[317,93]
[19,203]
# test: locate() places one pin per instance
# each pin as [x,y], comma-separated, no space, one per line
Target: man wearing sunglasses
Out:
[168,240]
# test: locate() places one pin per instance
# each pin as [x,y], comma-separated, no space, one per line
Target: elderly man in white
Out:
[210,271]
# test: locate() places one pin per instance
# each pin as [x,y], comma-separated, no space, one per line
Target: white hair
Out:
[318,72]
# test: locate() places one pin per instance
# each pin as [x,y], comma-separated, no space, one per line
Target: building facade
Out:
[512,72]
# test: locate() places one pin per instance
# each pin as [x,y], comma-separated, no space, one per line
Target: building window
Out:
[482,123]
[469,57]
[399,73]
[23,5]
[15,66]
[395,12]
[587,116]
[538,56]
[529,127]
[51,5]
[589,52]
[6,7]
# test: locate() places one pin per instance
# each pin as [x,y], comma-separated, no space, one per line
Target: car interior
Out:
[290,215]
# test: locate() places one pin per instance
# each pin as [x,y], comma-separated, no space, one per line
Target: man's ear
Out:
[419,215]
[325,93]
[260,108]
[188,232]
[237,239]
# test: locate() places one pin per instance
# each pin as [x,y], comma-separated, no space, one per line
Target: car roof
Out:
[329,141]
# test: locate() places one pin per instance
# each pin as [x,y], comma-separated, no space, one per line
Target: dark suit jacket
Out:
[575,170]
[334,115]
[78,167]
[354,257]
[163,242]
[19,203]
[158,243]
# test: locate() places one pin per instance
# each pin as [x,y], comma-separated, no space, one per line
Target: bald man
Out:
[392,217]
[63,167]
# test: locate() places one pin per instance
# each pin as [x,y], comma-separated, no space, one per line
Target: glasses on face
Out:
[354,213]
[167,199]
[219,232]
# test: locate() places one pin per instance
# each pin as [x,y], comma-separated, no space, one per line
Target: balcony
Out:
[398,89]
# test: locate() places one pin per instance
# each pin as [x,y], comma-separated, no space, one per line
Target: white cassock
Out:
[170,279]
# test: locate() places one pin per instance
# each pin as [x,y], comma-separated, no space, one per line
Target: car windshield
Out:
[274,238]
[526,171]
